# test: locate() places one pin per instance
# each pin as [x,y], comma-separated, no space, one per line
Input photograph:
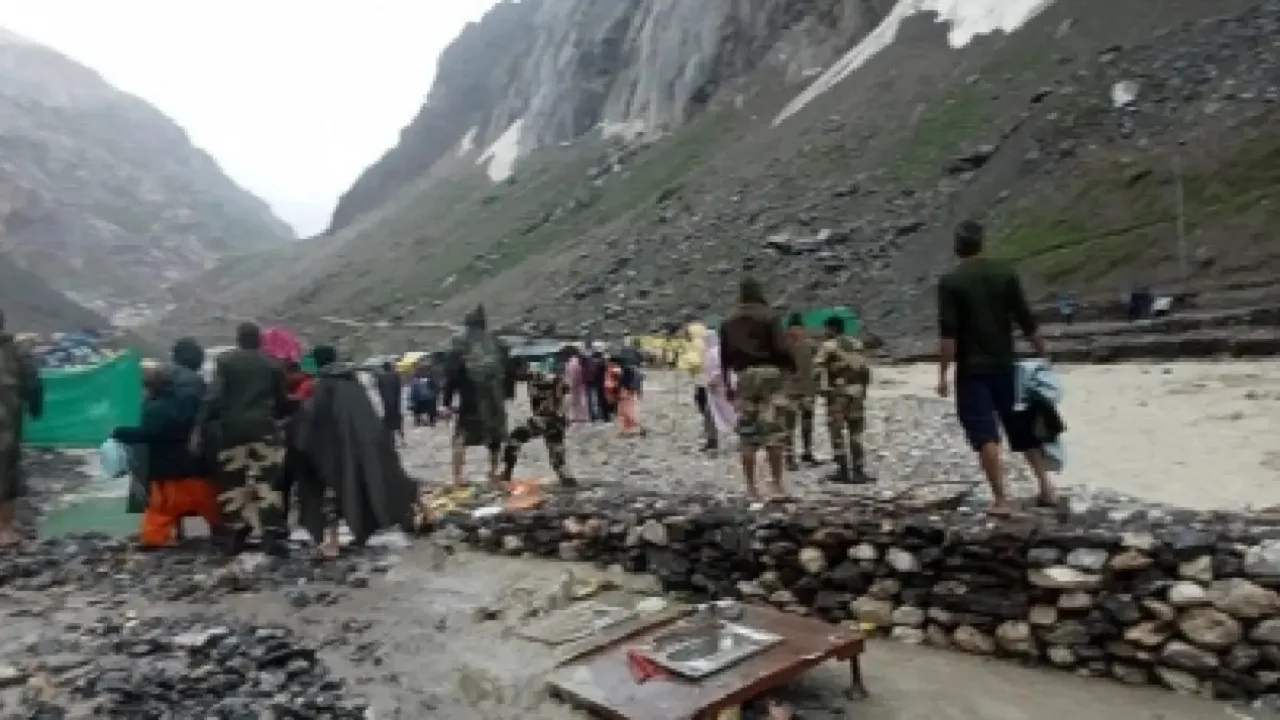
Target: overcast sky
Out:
[293,98]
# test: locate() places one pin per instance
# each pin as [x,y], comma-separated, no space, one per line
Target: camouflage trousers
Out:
[846,420]
[761,406]
[798,411]
[551,429]
[248,481]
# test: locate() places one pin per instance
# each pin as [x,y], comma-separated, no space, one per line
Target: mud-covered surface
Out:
[436,638]
[51,477]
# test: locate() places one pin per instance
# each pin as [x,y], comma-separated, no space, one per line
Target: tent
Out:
[83,405]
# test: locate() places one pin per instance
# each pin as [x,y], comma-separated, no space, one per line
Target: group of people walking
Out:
[762,381]
[263,441]
[575,388]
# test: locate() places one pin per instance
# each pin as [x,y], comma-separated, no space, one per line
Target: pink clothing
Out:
[576,403]
[718,404]
[281,345]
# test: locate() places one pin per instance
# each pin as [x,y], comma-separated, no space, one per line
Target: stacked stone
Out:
[1182,599]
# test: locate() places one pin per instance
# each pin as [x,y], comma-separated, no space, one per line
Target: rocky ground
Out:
[1187,418]
[94,627]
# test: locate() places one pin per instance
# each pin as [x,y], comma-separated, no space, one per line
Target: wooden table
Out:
[597,676]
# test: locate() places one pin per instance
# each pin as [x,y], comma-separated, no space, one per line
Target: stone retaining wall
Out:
[1180,599]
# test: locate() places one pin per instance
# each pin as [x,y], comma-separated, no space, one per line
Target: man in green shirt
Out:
[979,302]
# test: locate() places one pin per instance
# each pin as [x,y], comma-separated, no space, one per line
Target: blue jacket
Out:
[1037,377]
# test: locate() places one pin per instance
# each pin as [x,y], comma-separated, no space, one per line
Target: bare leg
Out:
[1040,468]
[459,462]
[749,471]
[495,464]
[989,458]
[776,455]
[8,531]
[331,548]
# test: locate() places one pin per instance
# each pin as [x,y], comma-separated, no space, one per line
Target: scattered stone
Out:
[196,666]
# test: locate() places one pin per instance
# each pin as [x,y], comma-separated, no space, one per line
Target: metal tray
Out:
[699,648]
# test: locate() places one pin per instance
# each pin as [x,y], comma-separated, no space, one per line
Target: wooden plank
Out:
[617,633]
[580,620]
[601,680]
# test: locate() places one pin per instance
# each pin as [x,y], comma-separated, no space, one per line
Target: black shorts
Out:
[393,422]
[984,403]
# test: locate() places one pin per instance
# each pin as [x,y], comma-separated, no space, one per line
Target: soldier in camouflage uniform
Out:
[20,389]
[800,386]
[548,390]
[846,376]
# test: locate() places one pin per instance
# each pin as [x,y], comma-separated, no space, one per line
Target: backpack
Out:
[482,359]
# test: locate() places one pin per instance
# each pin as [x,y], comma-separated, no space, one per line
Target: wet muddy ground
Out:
[436,639]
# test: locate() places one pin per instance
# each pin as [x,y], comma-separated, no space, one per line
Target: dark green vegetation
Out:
[1122,213]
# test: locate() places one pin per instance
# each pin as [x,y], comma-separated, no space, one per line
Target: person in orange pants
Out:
[629,390]
[175,486]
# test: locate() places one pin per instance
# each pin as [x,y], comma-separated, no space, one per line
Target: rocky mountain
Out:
[104,197]
[31,305]
[618,165]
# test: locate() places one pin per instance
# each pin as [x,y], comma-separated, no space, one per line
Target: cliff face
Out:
[103,196]
[539,72]
[661,148]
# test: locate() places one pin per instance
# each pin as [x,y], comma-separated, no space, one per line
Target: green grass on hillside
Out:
[941,132]
[1114,213]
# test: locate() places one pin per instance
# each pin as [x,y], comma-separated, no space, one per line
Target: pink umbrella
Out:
[281,345]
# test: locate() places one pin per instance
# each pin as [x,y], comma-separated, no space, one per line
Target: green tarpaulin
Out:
[813,319]
[83,405]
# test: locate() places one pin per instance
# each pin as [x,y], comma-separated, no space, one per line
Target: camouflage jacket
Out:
[547,392]
[844,367]
[805,379]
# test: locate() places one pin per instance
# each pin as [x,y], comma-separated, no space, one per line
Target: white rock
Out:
[813,560]
[1187,594]
[1061,577]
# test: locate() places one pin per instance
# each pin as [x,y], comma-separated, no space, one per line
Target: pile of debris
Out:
[126,667]
[74,349]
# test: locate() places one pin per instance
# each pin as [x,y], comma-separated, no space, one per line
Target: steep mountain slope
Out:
[102,195]
[30,305]
[826,146]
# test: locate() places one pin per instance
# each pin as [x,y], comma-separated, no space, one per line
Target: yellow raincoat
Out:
[691,352]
